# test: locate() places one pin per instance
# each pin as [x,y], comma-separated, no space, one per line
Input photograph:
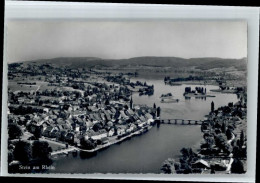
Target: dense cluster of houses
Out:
[142,87]
[99,111]
[71,124]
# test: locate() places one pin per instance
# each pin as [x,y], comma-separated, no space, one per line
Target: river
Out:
[195,108]
[146,153]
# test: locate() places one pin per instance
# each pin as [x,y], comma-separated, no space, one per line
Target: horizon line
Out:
[99,58]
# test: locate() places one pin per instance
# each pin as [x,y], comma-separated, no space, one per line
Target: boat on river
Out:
[167,95]
[168,98]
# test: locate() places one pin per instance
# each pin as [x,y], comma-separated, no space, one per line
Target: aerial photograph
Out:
[137,97]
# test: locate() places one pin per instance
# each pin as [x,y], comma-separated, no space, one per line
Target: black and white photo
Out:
[115,96]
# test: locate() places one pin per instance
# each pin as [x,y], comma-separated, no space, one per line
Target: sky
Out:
[32,40]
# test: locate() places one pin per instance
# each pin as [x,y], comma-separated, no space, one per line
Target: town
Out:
[73,111]
[56,110]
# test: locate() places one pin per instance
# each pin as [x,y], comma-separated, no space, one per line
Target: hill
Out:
[176,62]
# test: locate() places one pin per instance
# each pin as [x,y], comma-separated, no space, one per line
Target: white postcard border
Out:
[98,11]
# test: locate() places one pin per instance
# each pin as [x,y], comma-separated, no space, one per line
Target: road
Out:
[233,137]
[63,151]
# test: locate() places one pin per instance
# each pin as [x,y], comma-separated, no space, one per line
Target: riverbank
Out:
[100,147]
[116,141]
[202,82]
[224,91]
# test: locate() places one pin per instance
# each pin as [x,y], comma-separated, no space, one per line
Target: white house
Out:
[111,132]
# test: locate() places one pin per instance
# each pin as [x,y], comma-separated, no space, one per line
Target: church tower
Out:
[131,102]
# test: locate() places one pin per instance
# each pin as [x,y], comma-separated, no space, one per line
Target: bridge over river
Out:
[180,121]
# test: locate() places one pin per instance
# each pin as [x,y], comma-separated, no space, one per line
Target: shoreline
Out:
[115,142]
[78,149]
[224,91]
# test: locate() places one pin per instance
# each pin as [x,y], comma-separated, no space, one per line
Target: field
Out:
[13,86]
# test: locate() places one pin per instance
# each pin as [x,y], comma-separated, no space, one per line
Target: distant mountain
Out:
[176,62]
